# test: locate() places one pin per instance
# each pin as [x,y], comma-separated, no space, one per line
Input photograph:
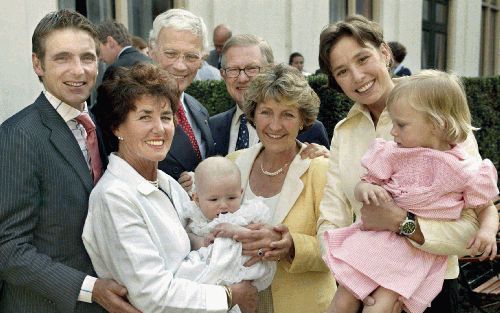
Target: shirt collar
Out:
[66,111]
[239,112]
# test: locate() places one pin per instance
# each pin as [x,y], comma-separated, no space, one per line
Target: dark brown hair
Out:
[116,30]
[360,28]
[117,95]
[60,20]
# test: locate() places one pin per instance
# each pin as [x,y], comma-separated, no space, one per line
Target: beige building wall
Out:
[19,84]
[288,26]
[401,21]
[464,37]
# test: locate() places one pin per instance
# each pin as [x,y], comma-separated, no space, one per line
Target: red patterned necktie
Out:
[184,123]
[92,145]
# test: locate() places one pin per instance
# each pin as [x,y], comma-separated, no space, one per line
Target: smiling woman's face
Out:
[147,133]
[277,124]
[361,72]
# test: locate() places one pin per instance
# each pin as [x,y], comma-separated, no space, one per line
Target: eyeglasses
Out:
[188,57]
[250,71]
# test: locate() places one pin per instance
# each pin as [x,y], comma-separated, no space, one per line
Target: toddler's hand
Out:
[484,243]
[372,194]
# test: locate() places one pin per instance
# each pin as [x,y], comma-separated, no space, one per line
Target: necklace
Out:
[280,170]
[154,183]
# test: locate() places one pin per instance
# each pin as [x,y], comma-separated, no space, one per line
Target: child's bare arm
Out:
[484,242]
[366,192]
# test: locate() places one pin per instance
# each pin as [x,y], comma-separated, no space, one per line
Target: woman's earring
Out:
[120,138]
[301,127]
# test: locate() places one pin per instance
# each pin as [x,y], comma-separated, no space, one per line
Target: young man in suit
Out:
[179,39]
[116,47]
[243,56]
[49,163]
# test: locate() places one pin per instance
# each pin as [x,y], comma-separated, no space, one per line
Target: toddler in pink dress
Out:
[425,172]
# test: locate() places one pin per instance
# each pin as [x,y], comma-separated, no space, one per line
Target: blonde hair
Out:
[441,96]
[283,82]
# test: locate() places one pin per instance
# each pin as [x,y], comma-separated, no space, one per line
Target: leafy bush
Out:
[481,94]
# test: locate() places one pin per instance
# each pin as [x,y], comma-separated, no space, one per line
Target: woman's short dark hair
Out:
[360,28]
[398,51]
[117,95]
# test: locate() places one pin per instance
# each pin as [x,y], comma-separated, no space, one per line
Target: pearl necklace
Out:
[272,174]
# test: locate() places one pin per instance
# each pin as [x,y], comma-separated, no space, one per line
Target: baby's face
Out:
[218,196]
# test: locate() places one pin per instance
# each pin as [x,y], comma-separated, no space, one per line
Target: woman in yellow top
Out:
[281,104]
[357,60]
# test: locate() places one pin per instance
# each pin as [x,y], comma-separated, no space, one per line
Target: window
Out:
[339,9]
[488,62]
[434,33]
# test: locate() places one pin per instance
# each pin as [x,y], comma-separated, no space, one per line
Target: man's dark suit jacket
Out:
[220,125]
[213,59]
[404,71]
[128,58]
[181,156]
[44,190]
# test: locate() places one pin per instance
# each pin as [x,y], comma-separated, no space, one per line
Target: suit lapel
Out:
[224,129]
[201,121]
[64,141]
[292,188]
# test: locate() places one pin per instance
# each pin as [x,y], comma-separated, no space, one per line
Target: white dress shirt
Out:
[133,234]
[235,127]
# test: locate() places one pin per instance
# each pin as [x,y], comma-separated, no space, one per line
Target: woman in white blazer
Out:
[133,232]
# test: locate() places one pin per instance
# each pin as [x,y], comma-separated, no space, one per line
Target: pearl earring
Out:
[120,138]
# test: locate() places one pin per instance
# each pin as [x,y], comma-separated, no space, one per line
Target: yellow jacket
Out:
[306,284]
[351,139]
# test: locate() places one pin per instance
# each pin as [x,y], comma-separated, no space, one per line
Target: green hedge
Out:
[481,93]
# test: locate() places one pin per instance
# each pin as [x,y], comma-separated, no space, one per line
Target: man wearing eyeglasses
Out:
[243,57]
[179,39]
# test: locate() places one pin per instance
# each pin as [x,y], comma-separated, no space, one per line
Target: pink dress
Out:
[431,184]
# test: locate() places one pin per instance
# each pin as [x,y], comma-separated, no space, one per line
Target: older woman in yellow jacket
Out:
[280,103]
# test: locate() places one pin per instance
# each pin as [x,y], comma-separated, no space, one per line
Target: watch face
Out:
[408,227]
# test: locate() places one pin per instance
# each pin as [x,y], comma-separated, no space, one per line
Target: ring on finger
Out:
[260,252]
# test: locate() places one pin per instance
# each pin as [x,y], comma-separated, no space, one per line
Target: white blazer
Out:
[134,235]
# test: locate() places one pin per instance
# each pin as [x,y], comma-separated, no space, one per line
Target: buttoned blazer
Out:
[297,208]
[213,58]
[220,125]
[182,156]
[44,189]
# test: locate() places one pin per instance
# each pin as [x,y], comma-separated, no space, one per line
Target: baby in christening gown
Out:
[217,200]
[425,172]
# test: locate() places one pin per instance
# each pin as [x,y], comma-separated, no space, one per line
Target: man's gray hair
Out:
[180,19]
[248,40]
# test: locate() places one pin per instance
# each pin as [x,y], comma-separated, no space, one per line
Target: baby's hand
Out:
[484,243]
[227,230]
[366,192]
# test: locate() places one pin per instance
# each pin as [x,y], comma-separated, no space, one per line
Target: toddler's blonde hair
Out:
[441,97]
